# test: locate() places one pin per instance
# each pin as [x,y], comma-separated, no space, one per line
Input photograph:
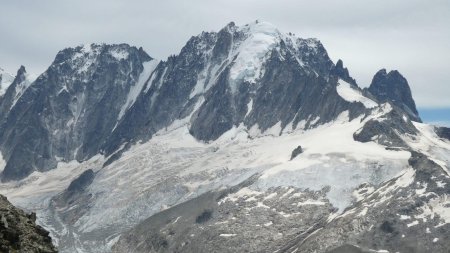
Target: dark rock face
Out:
[443,132]
[81,182]
[69,110]
[75,196]
[342,72]
[297,151]
[19,233]
[393,87]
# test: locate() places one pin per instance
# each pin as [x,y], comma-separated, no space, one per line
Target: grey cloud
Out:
[411,36]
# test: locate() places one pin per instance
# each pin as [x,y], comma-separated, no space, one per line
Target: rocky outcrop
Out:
[389,130]
[297,151]
[19,232]
[443,132]
[394,88]
[342,72]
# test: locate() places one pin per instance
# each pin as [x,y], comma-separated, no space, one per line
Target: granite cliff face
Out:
[393,87]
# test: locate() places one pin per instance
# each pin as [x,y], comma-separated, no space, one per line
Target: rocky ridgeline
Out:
[19,232]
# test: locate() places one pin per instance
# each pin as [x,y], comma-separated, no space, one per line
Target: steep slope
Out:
[19,233]
[70,109]
[393,87]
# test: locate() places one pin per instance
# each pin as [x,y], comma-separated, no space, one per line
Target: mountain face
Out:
[252,75]
[69,110]
[241,142]
[393,87]
[19,233]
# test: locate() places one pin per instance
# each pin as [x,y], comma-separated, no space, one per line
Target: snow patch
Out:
[249,107]
[311,202]
[350,94]
[227,235]
[136,89]
[2,163]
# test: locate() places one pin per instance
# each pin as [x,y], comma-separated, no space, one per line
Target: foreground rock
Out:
[19,232]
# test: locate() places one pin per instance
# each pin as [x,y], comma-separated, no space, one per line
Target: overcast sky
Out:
[411,36]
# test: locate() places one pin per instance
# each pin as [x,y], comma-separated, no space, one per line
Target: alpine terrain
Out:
[247,140]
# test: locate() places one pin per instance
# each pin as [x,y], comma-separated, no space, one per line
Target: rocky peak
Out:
[87,58]
[393,87]
[21,75]
[14,90]
[342,72]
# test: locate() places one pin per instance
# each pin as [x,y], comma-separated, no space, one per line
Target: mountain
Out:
[19,233]
[248,139]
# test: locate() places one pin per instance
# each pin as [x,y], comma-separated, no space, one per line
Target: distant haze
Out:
[411,36]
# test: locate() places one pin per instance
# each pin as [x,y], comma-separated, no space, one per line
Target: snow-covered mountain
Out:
[248,139]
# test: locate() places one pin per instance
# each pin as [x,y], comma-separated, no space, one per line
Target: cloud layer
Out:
[409,35]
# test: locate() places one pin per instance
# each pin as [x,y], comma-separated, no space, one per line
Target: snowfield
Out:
[350,94]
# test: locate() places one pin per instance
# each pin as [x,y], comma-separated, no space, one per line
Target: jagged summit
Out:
[86,56]
[392,86]
[343,73]
[14,91]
